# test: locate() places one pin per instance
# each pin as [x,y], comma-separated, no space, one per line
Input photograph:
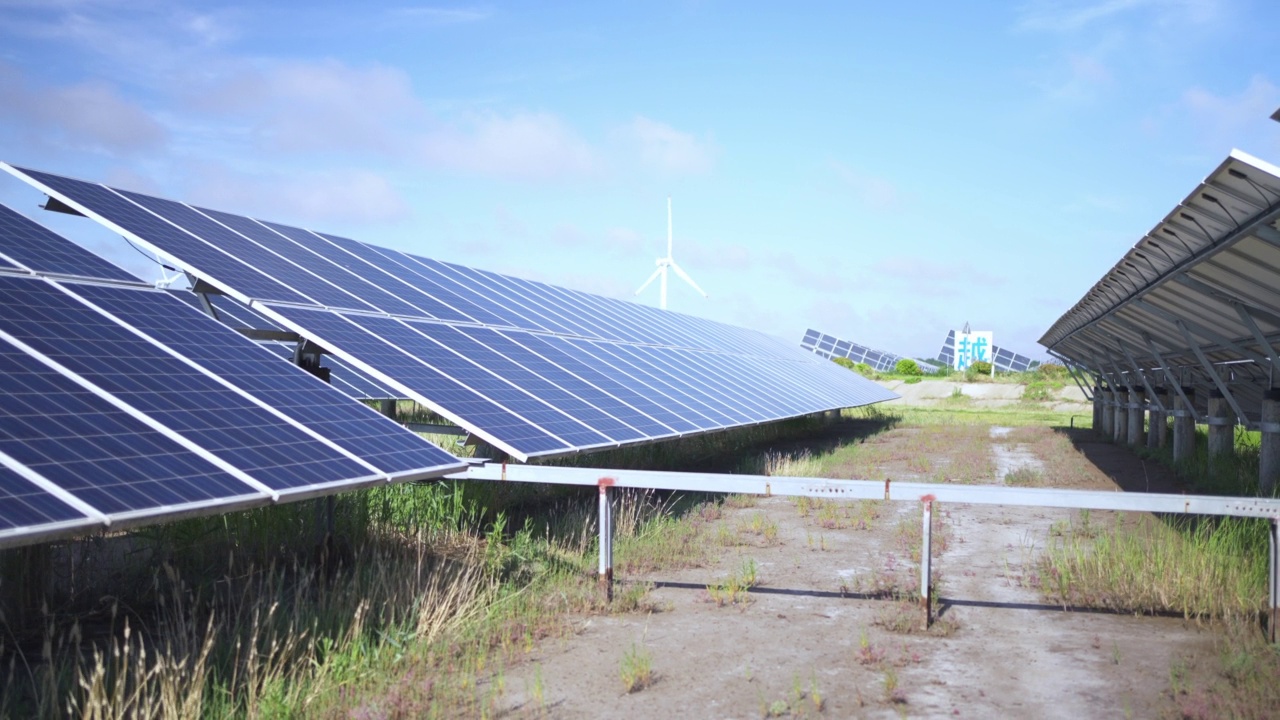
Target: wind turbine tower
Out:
[668,263]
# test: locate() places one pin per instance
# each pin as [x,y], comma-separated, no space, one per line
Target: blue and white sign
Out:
[972,347]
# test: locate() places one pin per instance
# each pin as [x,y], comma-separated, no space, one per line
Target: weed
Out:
[637,669]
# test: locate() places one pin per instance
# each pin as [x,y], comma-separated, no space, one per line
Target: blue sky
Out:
[881,174]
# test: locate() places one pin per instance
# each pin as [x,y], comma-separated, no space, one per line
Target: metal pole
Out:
[1274,580]
[605,578]
[926,558]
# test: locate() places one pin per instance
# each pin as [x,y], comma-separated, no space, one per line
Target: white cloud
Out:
[523,146]
[324,106]
[1068,16]
[874,192]
[434,16]
[86,116]
[307,198]
[663,148]
[1223,120]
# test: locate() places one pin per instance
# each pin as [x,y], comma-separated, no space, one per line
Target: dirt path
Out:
[816,639]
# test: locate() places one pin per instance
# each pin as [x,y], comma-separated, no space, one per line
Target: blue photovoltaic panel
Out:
[354,427]
[94,450]
[195,405]
[212,262]
[551,370]
[470,375]
[545,390]
[509,346]
[433,388]
[263,259]
[42,251]
[26,506]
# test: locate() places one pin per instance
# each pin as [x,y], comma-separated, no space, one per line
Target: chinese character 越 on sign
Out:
[972,347]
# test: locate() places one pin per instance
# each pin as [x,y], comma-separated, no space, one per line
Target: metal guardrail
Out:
[926,493]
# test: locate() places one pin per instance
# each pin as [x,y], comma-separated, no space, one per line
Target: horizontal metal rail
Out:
[927,493]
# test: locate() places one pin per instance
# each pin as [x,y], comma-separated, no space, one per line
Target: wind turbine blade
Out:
[652,277]
[685,276]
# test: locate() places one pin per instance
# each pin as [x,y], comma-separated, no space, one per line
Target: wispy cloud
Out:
[1066,16]
[520,146]
[347,195]
[83,116]
[874,192]
[661,147]
[433,15]
[1223,119]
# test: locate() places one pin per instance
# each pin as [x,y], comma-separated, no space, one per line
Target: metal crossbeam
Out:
[925,493]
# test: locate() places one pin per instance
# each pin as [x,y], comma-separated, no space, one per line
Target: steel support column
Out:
[1222,428]
[1136,434]
[1184,425]
[926,559]
[1269,450]
[605,577]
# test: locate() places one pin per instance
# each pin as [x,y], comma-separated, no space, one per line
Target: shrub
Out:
[907,366]
[1052,371]
[843,362]
[981,367]
[865,369]
[1038,391]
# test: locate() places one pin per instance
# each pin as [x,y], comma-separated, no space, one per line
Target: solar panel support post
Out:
[1184,425]
[1269,446]
[1097,408]
[1222,428]
[1108,416]
[605,577]
[1119,424]
[1137,437]
[926,546]
[1273,578]
[1158,426]
[388,407]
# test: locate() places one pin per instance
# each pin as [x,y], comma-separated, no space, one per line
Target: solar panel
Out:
[24,243]
[29,511]
[354,427]
[829,346]
[97,451]
[102,423]
[1003,359]
[586,372]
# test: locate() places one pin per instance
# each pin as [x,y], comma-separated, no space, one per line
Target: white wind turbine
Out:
[668,262]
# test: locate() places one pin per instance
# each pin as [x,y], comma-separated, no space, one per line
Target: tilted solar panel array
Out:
[1006,360]
[534,369]
[343,377]
[829,346]
[120,404]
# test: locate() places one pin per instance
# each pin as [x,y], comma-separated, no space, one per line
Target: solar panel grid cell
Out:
[285,271]
[143,224]
[401,366]
[351,426]
[95,450]
[43,251]
[27,507]
[194,404]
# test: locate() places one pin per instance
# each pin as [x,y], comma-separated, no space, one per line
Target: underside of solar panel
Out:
[533,369]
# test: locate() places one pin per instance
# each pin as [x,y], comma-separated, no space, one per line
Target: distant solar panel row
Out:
[119,403]
[534,369]
[1003,359]
[829,346]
